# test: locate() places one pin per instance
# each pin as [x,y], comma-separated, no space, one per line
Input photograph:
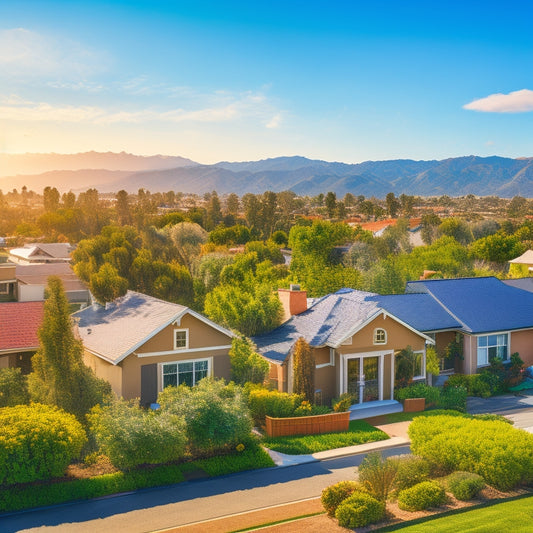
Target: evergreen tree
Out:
[246,364]
[304,370]
[59,375]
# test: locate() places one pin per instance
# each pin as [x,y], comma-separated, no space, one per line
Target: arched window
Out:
[380,336]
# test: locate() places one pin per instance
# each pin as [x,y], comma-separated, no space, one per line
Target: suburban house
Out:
[141,344]
[356,335]
[19,324]
[27,283]
[58,252]
[33,279]
[354,339]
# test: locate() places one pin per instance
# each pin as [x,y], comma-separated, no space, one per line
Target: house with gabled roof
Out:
[354,339]
[141,344]
[356,335]
[58,252]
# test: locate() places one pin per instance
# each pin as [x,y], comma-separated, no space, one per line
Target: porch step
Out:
[371,409]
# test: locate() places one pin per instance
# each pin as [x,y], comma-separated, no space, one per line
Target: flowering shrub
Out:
[37,442]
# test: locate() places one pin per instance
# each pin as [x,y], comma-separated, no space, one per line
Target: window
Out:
[181,339]
[4,288]
[185,372]
[418,366]
[491,346]
[380,336]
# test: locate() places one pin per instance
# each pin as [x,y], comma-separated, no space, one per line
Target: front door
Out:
[363,378]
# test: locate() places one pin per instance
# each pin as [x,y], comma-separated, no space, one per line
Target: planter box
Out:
[307,425]
[412,405]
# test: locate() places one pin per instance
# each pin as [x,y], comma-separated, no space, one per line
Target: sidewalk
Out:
[397,433]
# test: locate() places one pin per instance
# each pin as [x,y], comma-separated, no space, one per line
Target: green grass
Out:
[16,498]
[359,432]
[406,417]
[515,516]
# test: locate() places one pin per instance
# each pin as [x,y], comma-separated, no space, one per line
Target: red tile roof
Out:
[19,322]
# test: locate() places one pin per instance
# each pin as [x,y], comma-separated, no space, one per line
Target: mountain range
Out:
[111,172]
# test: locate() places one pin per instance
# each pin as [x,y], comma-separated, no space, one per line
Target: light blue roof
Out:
[481,305]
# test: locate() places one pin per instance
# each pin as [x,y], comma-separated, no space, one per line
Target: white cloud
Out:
[30,54]
[274,122]
[515,102]
[245,106]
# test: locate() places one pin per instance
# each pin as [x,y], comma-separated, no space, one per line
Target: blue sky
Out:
[345,81]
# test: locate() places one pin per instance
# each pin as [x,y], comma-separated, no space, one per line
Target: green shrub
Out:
[13,387]
[377,475]
[495,450]
[334,495]
[342,403]
[216,415]
[273,403]
[131,436]
[475,384]
[422,496]
[246,364]
[453,398]
[37,442]
[493,416]
[411,470]
[419,390]
[358,510]
[465,485]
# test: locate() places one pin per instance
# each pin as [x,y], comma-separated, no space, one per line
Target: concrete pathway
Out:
[498,404]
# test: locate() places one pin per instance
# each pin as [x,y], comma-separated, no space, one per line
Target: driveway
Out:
[498,404]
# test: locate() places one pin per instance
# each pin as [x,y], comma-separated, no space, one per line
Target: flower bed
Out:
[307,425]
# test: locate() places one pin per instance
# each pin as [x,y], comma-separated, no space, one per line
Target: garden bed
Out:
[307,425]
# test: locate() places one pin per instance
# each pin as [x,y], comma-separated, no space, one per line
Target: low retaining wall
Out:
[307,425]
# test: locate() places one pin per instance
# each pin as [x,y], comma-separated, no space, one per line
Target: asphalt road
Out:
[185,503]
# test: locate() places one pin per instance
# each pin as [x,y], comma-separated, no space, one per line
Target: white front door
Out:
[364,378]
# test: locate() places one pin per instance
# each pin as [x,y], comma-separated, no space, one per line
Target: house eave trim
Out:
[187,351]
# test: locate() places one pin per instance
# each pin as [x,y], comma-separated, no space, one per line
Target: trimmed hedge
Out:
[451,397]
[358,510]
[334,495]
[420,390]
[422,496]
[273,403]
[499,453]
[37,442]
[465,485]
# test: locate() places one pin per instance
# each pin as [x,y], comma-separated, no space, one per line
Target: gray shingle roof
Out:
[127,323]
[326,323]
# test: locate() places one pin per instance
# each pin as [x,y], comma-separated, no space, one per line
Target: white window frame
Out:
[486,348]
[208,360]
[378,331]
[181,330]
[422,364]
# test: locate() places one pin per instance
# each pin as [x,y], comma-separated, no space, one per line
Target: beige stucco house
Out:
[141,344]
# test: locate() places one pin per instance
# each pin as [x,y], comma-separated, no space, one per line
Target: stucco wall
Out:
[105,370]
[522,342]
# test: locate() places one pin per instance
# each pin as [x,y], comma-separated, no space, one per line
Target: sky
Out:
[221,80]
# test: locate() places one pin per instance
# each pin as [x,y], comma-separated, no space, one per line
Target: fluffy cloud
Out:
[30,54]
[515,102]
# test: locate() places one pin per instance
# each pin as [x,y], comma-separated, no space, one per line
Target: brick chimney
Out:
[294,301]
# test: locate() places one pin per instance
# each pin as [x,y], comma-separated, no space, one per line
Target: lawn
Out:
[359,432]
[515,516]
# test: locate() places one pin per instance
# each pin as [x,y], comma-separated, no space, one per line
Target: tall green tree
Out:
[247,366]
[303,362]
[59,375]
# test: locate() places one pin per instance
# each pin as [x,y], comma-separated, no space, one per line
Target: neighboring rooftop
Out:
[19,324]
[526,284]
[481,305]
[38,274]
[116,330]
[42,252]
[525,259]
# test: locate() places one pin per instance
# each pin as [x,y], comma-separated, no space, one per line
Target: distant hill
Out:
[455,176]
[13,164]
